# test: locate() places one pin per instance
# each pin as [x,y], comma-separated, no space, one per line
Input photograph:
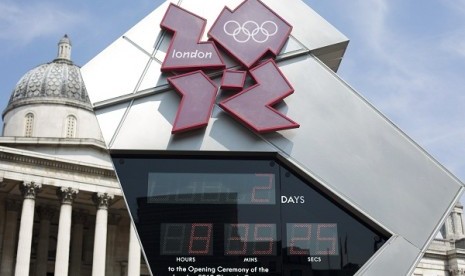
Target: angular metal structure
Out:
[357,156]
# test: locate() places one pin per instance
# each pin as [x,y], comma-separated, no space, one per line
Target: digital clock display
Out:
[250,239]
[237,217]
[312,239]
[211,188]
[182,239]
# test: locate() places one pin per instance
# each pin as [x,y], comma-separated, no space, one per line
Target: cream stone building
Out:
[61,208]
[446,254]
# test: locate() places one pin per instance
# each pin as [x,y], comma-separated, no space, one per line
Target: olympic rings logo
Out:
[250,30]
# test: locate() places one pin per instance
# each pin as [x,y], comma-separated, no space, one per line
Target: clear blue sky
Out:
[406,57]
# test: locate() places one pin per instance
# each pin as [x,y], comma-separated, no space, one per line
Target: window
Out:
[29,125]
[70,126]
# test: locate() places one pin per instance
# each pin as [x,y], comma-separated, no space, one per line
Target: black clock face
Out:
[237,217]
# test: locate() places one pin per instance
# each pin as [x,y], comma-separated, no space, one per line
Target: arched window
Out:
[29,125]
[71,122]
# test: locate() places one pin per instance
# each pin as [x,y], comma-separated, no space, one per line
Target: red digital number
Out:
[325,238]
[200,238]
[236,238]
[268,187]
[304,237]
[260,237]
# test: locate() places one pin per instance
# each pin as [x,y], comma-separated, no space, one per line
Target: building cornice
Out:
[48,100]
[42,160]
[7,141]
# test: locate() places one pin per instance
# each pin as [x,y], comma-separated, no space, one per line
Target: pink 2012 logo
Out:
[249,33]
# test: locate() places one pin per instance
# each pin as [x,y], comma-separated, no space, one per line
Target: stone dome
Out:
[51,101]
[59,81]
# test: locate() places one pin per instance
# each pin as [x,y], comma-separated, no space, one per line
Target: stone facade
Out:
[61,208]
[446,254]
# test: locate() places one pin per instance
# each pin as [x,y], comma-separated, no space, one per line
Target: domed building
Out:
[56,86]
[61,208]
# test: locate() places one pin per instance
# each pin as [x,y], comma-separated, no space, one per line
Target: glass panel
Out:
[211,188]
[239,217]
[186,239]
[250,239]
[322,236]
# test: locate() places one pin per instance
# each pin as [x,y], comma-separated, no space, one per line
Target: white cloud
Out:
[23,22]
[412,74]
[373,22]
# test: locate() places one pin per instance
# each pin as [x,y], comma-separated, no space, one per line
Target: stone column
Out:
[458,223]
[113,221]
[102,200]
[66,196]
[46,214]
[9,238]
[453,226]
[79,218]
[134,252]
[29,191]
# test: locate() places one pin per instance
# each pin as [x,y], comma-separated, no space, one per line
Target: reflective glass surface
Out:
[237,217]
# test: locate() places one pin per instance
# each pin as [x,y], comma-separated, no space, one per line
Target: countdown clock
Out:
[218,216]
